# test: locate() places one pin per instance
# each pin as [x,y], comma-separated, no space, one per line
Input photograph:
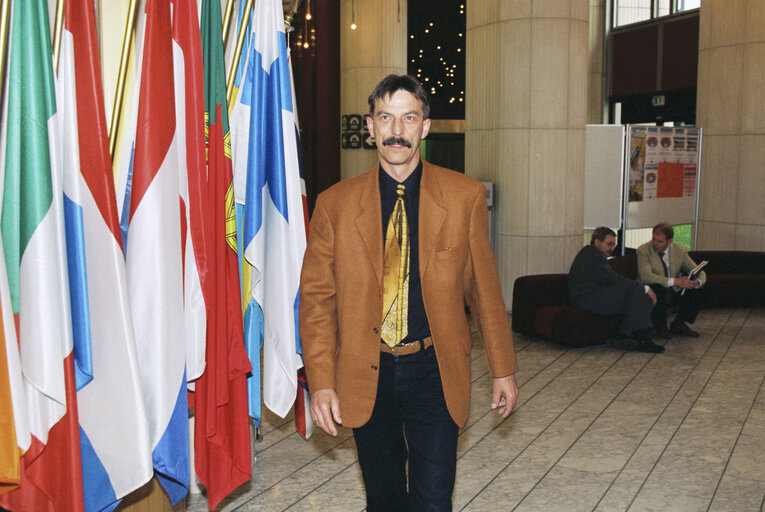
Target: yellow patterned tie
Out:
[396,275]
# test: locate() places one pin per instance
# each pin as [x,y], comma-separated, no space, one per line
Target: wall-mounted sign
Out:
[355,133]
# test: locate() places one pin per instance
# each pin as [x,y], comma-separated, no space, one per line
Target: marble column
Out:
[374,50]
[596,102]
[526,110]
[731,110]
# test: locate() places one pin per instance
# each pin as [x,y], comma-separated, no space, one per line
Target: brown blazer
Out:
[341,289]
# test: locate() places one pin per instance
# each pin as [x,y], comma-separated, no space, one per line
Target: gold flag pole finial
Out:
[127,44]
[227,20]
[237,53]
[5,9]
[57,33]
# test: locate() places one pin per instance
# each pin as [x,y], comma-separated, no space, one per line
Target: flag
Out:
[303,420]
[267,184]
[153,256]
[190,123]
[9,449]
[222,432]
[114,434]
[14,433]
[32,226]
[251,312]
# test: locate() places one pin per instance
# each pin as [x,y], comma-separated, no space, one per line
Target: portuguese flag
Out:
[222,435]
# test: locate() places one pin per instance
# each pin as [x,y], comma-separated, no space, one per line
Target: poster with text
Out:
[637,163]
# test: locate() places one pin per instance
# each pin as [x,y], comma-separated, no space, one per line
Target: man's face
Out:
[398,126]
[606,245]
[659,241]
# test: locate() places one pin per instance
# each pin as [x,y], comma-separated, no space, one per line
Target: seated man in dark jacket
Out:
[594,286]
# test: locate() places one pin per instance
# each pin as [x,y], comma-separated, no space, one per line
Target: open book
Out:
[697,270]
[694,274]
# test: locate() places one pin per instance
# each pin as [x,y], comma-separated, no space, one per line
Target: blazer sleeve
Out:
[318,304]
[483,294]
[646,275]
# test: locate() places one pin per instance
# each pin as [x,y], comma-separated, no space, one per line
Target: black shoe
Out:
[647,345]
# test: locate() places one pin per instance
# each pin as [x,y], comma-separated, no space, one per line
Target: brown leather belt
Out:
[408,348]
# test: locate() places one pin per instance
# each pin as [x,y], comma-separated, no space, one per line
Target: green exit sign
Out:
[658,101]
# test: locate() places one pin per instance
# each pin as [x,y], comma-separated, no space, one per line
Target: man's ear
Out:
[370,125]
[425,128]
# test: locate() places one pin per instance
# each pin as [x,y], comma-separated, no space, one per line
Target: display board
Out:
[604,175]
[662,167]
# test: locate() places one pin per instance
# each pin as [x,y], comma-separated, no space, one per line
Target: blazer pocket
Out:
[448,253]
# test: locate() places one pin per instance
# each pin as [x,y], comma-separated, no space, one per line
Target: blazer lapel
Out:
[369,222]
[432,215]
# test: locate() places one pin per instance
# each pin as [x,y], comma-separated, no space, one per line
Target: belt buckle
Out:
[407,349]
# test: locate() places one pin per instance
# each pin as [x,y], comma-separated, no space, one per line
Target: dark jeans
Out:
[688,305]
[409,420]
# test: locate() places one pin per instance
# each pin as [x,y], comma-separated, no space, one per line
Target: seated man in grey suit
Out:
[593,285]
[664,266]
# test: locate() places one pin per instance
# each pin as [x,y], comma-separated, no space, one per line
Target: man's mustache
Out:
[397,140]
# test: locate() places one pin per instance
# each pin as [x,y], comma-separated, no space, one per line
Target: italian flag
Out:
[32,226]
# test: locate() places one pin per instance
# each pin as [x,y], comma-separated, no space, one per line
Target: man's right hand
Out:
[684,282]
[325,410]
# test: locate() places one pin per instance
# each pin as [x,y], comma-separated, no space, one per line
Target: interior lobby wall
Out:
[731,110]
[374,50]
[526,111]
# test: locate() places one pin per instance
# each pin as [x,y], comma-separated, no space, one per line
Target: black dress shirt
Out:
[417,326]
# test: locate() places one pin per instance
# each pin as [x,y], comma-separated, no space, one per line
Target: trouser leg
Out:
[381,447]
[625,298]
[690,305]
[430,432]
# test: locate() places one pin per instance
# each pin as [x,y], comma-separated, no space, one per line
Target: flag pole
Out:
[237,53]
[227,20]
[127,44]
[57,33]
[5,8]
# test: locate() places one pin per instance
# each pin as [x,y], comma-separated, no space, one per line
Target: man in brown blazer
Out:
[404,402]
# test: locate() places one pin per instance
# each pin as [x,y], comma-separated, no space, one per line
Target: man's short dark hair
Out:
[601,233]
[665,229]
[392,83]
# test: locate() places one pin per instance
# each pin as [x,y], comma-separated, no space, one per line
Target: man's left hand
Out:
[505,395]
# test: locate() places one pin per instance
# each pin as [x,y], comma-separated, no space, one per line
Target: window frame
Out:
[653,13]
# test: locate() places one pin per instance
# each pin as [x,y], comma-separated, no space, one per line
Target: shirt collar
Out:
[411,184]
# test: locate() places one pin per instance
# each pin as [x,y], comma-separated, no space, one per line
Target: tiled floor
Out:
[594,429]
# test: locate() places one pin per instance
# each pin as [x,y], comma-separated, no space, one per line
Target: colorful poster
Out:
[671,179]
[663,162]
[689,180]
[637,163]
[651,180]
[666,152]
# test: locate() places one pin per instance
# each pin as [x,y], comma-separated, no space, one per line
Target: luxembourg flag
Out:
[153,256]
[267,182]
[114,431]
[32,226]
[190,124]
